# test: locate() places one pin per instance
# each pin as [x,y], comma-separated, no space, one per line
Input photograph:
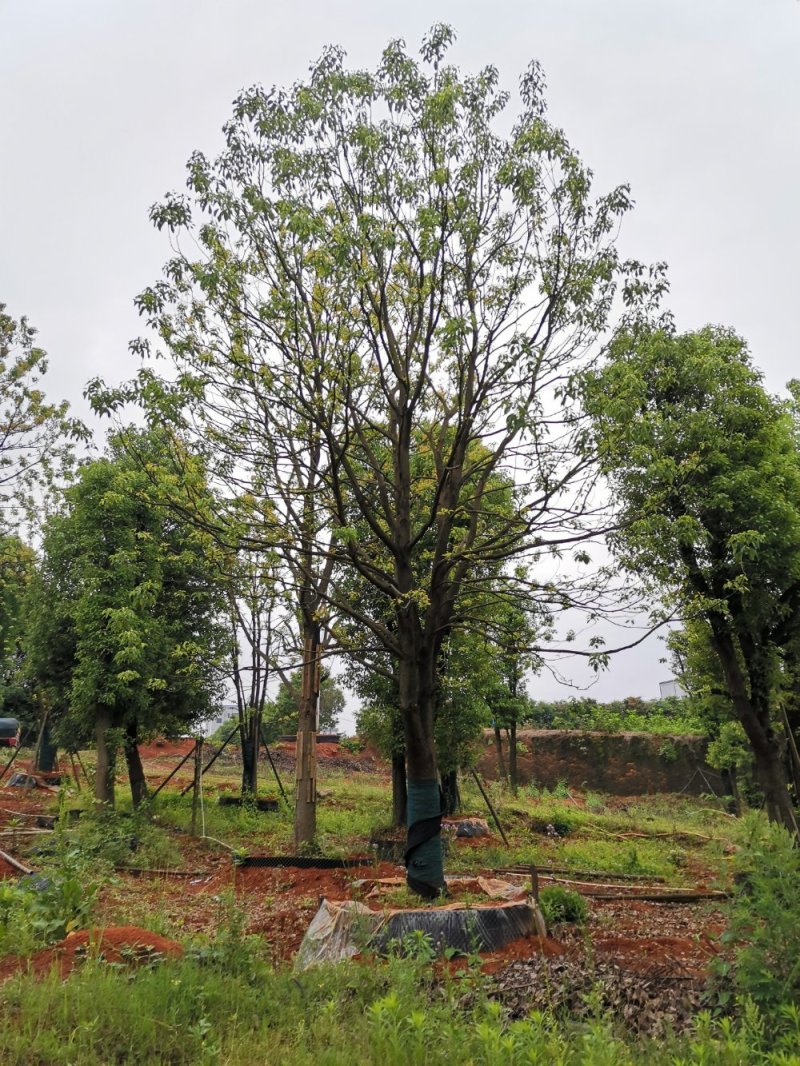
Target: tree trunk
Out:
[512,757]
[451,797]
[729,778]
[305,810]
[399,790]
[770,765]
[793,756]
[250,735]
[104,772]
[424,859]
[498,747]
[134,762]
[775,786]
[247,761]
[46,750]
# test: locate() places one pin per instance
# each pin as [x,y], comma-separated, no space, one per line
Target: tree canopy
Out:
[705,468]
[37,437]
[384,268]
[124,638]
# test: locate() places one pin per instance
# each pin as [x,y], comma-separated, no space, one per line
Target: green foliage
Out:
[729,750]
[37,438]
[705,469]
[562,905]
[232,1007]
[17,566]
[106,837]
[125,611]
[764,919]
[42,908]
[632,715]
[281,714]
[668,751]
[378,296]
[224,730]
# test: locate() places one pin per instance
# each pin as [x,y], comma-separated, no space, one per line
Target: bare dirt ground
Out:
[645,938]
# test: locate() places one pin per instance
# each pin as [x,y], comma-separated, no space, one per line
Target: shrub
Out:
[764,923]
[562,905]
[352,744]
[38,910]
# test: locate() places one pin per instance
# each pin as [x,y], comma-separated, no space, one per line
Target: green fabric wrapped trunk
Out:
[424,860]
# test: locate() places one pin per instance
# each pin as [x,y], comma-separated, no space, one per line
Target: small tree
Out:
[253,592]
[124,638]
[283,713]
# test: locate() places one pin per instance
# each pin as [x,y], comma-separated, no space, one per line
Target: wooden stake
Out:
[488,802]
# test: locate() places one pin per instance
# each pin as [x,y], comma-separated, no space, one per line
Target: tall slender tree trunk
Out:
[451,796]
[305,811]
[512,756]
[498,747]
[104,771]
[133,759]
[249,772]
[251,742]
[399,790]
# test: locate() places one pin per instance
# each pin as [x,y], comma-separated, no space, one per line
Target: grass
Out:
[229,1006]
[226,1003]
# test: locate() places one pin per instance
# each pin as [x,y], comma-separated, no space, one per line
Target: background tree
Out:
[37,438]
[379,263]
[253,593]
[17,566]
[704,466]
[283,713]
[125,637]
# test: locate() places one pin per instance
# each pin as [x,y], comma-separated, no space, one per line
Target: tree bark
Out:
[133,760]
[512,757]
[424,859]
[305,811]
[729,775]
[770,765]
[250,735]
[399,790]
[451,796]
[104,772]
[498,747]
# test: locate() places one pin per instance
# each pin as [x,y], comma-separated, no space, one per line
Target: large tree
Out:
[705,469]
[385,268]
[124,638]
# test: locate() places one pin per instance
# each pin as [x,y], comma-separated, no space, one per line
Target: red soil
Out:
[119,944]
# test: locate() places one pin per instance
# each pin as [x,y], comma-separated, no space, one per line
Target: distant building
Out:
[671,688]
[210,725]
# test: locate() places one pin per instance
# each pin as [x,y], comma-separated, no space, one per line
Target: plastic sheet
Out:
[340,930]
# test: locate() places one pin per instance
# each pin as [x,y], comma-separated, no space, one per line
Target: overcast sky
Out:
[693,102]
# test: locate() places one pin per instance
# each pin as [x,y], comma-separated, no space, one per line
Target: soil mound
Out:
[121,944]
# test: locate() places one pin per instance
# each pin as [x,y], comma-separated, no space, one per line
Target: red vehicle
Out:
[9,732]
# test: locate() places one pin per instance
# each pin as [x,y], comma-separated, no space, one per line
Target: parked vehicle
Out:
[9,732]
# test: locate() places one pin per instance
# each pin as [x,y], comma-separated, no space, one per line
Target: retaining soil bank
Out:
[623,764]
